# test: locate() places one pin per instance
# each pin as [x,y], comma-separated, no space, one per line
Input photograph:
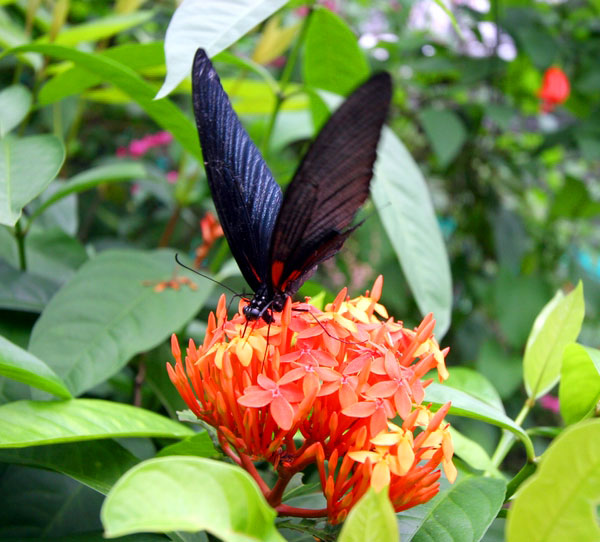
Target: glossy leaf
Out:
[31,423]
[110,461]
[462,513]
[404,205]
[333,60]
[15,102]
[211,24]
[200,445]
[464,404]
[121,171]
[21,178]
[473,453]
[556,326]
[446,133]
[108,312]
[189,494]
[164,112]
[23,366]
[372,519]
[579,391]
[475,384]
[559,502]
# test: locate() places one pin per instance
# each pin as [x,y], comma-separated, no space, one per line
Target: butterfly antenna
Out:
[203,275]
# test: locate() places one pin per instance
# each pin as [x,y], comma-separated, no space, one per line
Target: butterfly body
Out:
[279,240]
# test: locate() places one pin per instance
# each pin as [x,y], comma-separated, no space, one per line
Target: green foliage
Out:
[482,206]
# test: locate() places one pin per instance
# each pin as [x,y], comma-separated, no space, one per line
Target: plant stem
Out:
[20,237]
[508,438]
[285,510]
[170,227]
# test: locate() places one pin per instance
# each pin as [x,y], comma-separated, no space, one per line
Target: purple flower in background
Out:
[551,403]
[139,147]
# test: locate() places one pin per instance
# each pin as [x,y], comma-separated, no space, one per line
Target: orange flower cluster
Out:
[321,387]
[211,231]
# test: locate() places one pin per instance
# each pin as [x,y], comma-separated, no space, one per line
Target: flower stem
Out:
[285,510]
[170,227]
[20,237]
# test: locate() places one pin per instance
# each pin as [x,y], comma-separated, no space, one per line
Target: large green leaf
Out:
[579,391]
[559,502]
[372,519]
[39,505]
[333,59]
[23,366]
[110,461]
[21,178]
[189,494]
[407,213]
[24,291]
[32,423]
[109,312]
[163,112]
[76,79]
[462,513]
[211,24]
[464,404]
[120,171]
[446,133]
[15,103]
[557,325]
[472,453]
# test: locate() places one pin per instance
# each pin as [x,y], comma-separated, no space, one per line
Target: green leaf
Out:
[15,102]
[333,60]
[76,79]
[110,461]
[109,312]
[557,325]
[21,178]
[404,205]
[473,453]
[118,172]
[475,384]
[464,404]
[166,114]
[559,502]
[200,445]
[39,505]
[211,24]
[32,423]
[100,28]
[500,365]
[24,291]
[372,519]
[462,513]
[189,494]
[22,366]
[446,133]
[579,391]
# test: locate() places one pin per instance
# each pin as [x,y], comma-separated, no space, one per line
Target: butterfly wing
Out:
[331,183]
[246,196]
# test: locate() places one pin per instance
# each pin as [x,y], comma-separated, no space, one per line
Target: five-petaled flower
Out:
[322,387]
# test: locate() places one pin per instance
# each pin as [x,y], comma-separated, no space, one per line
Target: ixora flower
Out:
[555,88]
[321,387]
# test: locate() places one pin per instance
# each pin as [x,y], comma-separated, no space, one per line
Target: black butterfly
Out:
[277,240]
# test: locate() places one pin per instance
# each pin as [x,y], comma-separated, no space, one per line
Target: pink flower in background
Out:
[555,88]
[331,5]
[551,403]
[172,176]
[139,147]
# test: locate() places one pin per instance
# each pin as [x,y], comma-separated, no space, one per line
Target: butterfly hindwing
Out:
[246,196]
[331,183]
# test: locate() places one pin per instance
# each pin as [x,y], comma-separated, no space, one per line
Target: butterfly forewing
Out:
[246,196]
[331,183]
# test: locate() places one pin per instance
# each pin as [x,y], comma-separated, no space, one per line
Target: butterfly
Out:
[278,240]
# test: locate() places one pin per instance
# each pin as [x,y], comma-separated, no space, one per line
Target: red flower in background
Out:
[555,88]
[320,387]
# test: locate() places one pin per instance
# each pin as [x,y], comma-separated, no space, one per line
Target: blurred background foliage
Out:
[513,174]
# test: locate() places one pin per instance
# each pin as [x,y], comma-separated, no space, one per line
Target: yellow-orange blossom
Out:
[321,387]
